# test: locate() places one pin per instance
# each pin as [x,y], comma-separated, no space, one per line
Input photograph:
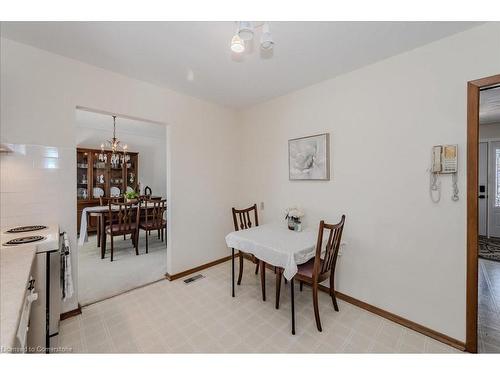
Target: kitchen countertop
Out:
[15,269]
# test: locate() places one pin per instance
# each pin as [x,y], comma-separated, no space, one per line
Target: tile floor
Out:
[202,317]
[489,307]
[100,278]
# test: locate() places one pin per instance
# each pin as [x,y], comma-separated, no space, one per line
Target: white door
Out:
[483,188]
[494,190]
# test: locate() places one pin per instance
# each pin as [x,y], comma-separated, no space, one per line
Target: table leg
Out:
[86,229]
[232,269]
[99,231]
[102,219]
[263,278]
[293,306]
[279,273]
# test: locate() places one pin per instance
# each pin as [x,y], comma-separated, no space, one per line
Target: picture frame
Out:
[309,158]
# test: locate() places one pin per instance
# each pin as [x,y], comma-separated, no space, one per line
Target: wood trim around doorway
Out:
[473,90]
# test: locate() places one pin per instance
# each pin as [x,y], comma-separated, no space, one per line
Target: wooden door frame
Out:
[473,90]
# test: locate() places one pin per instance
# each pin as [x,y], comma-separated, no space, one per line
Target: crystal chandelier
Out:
[118,152]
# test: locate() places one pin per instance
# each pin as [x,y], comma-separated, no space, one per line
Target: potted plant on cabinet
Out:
[131,197]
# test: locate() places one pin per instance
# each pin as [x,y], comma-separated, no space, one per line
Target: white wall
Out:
[39,94]
[404,254]
[151,147]
[489,131]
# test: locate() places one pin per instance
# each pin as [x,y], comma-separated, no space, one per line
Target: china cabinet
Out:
[100,174]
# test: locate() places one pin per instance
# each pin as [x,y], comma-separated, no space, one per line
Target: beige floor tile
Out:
[202,317]
[413,339]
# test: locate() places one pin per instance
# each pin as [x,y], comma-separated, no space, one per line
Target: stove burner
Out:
[29,228]
[23,240]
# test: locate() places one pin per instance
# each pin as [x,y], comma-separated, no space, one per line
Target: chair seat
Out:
[152,225]
[306,269]
[121,229]
[252,258]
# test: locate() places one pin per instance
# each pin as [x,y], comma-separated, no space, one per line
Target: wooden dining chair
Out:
[321,267]
[122,219]
[104,201]
[153,218]
[243,220]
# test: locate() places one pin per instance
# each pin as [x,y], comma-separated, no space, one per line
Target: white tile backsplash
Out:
[37,186]
[35,180]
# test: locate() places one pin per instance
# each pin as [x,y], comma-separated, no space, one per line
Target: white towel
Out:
[68,277]
[83,228]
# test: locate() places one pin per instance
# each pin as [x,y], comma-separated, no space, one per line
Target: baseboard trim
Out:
[176,276]
[71,313]
[457,344]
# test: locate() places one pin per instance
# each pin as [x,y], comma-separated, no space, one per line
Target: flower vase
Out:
[297,225]
[291,223]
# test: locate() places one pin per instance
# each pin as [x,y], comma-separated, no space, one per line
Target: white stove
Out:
[46,273]
[44,237]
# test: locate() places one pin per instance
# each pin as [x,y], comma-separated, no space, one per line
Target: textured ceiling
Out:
[195,58]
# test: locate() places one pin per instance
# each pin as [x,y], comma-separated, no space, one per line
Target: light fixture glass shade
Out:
[237,45]
[245,30]
[266,40]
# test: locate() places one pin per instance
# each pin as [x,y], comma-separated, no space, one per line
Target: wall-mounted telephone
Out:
[444,161]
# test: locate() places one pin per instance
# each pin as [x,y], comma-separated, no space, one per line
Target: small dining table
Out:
[100,212]
[278,246]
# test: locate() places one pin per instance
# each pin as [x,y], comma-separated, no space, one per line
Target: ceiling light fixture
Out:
[237,45]
[245,33]
[245,30]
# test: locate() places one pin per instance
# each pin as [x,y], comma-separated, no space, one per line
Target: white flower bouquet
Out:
[294,213]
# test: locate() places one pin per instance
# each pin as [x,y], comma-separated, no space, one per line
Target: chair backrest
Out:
[154,211]
[329,260]
[242,218]
[122,216]
[104,201]
[149,197]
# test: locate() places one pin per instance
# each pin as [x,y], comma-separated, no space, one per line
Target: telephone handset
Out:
[444,161]
[436,159]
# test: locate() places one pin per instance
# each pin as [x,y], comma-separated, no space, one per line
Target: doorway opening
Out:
[121,203]
[483,216]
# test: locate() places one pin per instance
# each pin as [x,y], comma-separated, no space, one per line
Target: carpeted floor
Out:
[99,278]
[489,248]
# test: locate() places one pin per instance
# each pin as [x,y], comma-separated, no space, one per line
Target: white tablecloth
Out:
[83,222]
[277,245]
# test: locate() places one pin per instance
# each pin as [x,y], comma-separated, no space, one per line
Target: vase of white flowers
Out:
[294,216]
